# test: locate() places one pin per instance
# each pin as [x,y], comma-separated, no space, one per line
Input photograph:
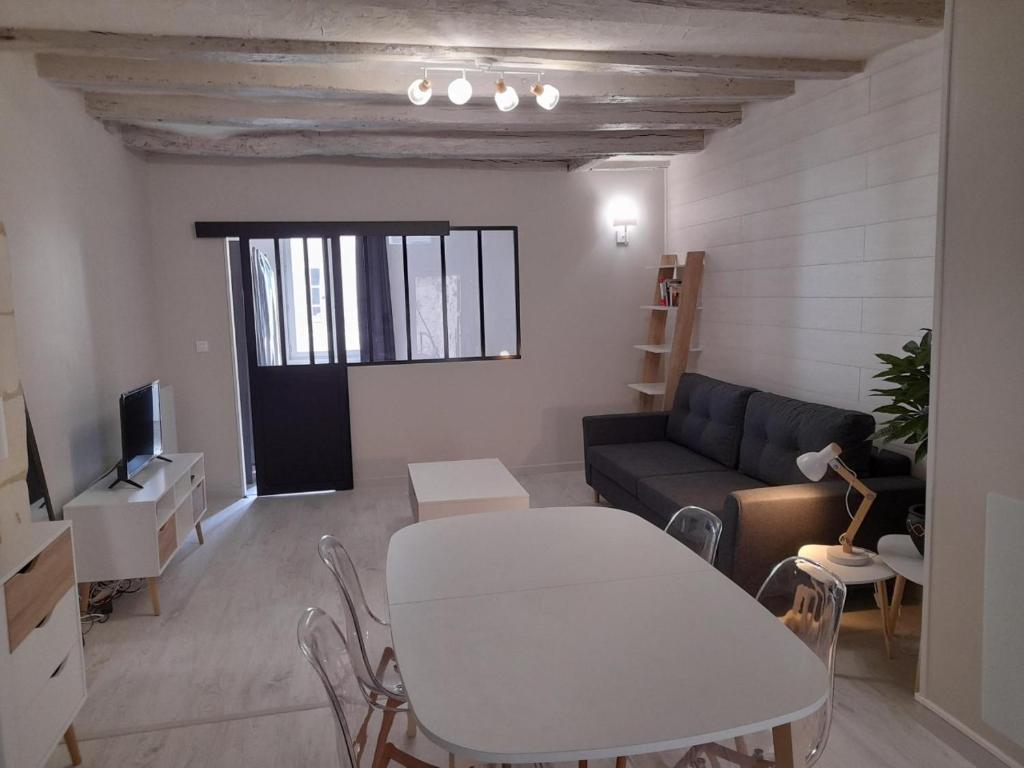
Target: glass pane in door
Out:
[266,302]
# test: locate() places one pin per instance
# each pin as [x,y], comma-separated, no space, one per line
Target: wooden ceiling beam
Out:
[308,114]
[284,51]
[444,146]
[925,13]
[89,73]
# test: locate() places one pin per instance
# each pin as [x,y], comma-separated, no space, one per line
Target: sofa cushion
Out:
[778,429]
[625,463]
[666,494]
[707,417]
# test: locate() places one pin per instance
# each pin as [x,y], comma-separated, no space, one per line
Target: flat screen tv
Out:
[141,433]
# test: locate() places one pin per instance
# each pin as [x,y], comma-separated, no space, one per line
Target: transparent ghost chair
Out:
[376,681]
[809,600]
[323,644]
[698,529]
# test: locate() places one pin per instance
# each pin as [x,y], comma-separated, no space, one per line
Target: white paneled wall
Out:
[818,218]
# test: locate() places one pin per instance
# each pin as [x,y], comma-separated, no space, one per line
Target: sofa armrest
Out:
[771,524]
[624,428]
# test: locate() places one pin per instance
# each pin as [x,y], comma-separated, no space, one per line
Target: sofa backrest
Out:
[707,417]
[777,429]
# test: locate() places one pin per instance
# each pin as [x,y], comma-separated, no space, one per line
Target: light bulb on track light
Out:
[505,96]
[547,95]
[460,90]
[420,91]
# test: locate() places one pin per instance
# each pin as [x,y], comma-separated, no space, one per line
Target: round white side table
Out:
[876,572]
[899,553]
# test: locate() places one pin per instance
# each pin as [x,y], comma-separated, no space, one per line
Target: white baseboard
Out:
[974,736]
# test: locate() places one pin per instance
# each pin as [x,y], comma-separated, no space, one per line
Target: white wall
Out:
[580,296]
[818,217]
[73,202]
[977,410]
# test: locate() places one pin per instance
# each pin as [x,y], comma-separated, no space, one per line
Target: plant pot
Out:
[915,526]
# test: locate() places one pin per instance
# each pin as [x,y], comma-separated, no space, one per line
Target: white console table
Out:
[128,533]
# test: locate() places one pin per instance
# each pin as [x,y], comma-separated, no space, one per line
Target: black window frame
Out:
[518,355]
[279,230]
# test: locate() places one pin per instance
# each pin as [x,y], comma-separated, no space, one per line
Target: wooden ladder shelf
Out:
[666,360]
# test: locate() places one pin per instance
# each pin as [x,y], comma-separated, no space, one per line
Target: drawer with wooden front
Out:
[32,594]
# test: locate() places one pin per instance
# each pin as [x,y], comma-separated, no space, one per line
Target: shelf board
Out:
[655,349]
[664,308]
[649,388]
[659,349]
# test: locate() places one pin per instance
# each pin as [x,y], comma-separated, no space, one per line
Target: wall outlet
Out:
[202,346]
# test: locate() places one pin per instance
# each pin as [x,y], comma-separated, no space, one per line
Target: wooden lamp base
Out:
[856,557]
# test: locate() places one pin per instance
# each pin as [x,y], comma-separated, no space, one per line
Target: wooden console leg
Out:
[154,594]
[597,497]
[72,743]
[83,597]
[199,532]
[785,754]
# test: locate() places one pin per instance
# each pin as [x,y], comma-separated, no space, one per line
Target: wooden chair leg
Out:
[387,720]
[154,594]
[597,497]
[621,762]
[72,744]
[410,725]
[583,764]
[391,752]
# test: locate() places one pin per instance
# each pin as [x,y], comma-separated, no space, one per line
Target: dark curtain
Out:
[376,322]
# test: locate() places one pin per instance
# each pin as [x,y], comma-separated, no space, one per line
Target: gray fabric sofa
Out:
[732,450]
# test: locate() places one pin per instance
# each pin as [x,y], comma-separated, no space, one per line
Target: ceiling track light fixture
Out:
[547,95]
[460,90]
[420,90]
[505,96]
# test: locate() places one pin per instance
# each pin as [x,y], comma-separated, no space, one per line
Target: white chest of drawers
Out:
[42,667]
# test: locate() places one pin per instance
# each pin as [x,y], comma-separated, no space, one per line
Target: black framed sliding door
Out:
[298,378]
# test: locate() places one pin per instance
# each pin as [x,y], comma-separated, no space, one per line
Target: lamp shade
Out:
[814,465]
[419,92]
[460,90]
[505,96]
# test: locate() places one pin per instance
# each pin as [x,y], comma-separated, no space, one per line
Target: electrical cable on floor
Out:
[102,594]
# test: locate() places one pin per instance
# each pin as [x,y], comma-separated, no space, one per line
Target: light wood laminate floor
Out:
[218,680]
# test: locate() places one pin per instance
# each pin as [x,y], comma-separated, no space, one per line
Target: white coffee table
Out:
[876,572]
[446,488]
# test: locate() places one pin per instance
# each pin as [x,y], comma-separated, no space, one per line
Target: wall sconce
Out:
[622,229]
[623,216]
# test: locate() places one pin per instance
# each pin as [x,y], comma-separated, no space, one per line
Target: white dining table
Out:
[574,633]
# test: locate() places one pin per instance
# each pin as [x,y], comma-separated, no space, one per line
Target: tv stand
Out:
[128,482]
[134,533]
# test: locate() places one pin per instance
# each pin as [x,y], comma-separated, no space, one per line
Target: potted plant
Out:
[910,376]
